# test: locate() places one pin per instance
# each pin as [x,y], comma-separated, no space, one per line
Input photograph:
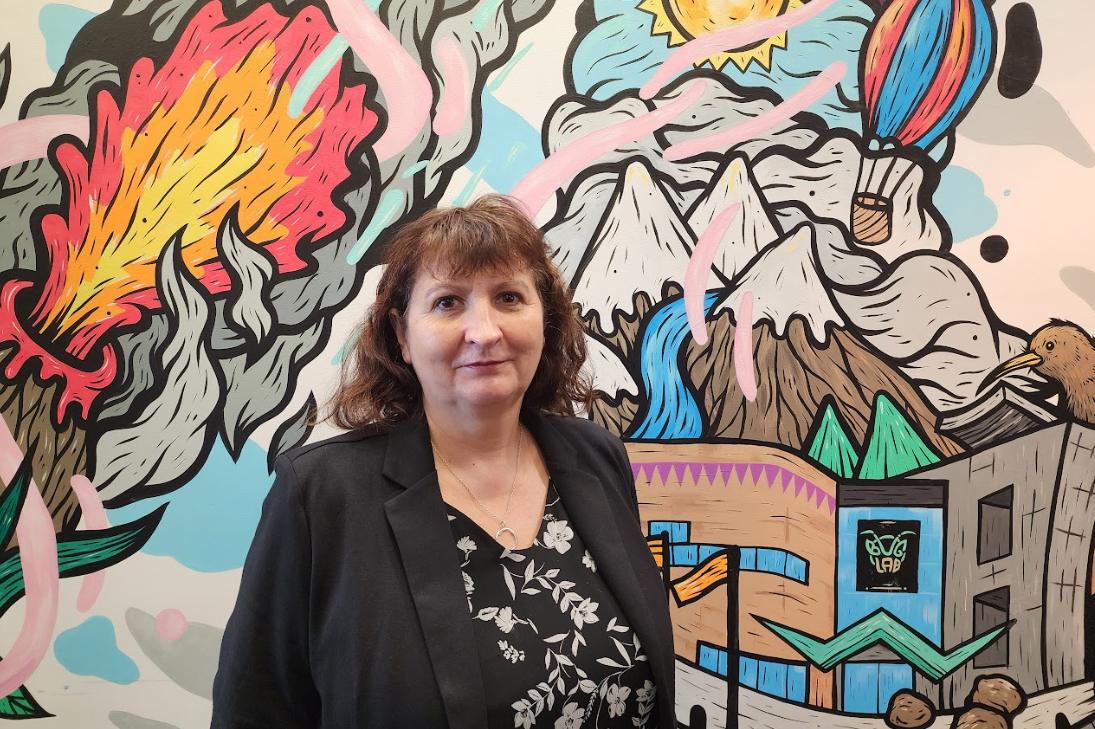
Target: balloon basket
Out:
[871,217]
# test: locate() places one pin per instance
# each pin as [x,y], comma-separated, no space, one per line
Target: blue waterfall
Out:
[672,412]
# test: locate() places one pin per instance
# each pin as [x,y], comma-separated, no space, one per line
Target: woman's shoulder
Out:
[580,429]
[356,447]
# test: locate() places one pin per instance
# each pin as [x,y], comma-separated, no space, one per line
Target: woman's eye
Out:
[445,302]
[510,298]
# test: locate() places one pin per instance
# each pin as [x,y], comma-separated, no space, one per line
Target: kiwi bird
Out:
[1065,353]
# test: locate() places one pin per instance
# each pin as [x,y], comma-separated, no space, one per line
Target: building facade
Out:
[1013,527]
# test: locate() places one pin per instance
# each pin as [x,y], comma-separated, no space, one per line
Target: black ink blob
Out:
[1022,53]
[994,248]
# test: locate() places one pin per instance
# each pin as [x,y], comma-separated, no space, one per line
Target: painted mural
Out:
[833,258]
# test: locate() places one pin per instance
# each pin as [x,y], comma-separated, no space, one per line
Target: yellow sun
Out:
[684,20]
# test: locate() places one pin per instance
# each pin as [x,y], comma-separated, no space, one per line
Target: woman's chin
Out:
[489,395]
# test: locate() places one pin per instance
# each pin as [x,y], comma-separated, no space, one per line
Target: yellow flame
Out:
[227,140]
[685,20]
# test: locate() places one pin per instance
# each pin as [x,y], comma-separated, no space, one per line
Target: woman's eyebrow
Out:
[443,286]
[514,283]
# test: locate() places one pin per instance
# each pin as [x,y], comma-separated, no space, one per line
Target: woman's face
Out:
[473,342]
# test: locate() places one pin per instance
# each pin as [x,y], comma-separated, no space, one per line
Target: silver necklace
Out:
[501,522]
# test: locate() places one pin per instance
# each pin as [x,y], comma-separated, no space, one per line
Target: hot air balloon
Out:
[923,65]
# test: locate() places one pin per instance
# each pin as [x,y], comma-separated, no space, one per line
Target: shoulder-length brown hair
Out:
[492,234]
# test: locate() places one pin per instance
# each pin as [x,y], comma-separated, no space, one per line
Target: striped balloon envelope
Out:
[924,64]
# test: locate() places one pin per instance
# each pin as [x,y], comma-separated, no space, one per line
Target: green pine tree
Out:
[893,445]
[831,446]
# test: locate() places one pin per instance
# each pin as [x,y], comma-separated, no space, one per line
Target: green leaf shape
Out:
[12,501]
[19,704]
[882,627]
[831,446]
[894,447]
[80,553]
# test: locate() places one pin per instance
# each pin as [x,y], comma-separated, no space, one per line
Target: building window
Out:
[991,610]
[774,562]
[868,687]
[994,525]
[775,678]
[677,531]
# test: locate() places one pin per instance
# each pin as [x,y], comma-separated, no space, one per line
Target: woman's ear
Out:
[400,333]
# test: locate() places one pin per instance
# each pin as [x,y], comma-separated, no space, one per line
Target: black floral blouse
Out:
[554,647]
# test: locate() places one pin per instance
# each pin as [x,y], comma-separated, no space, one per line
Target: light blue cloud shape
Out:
[59,24]
[91,649]
[961,199]
[211,521]
[619,53]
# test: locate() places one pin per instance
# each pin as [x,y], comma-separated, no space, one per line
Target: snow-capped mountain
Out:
[641,244]
[750,232]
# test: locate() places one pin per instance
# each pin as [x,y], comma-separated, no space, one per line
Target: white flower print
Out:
[587,560]
[645,698]
[469,586]
[571,718]
[557,536]
[505,619]
[510,653]
[584,613]
[524,717]
[616,697]
[467,546]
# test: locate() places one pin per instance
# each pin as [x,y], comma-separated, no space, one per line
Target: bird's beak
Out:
[1027,359]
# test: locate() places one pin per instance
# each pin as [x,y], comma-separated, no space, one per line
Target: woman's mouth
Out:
[483,365]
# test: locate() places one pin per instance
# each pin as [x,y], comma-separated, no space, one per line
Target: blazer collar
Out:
[420,525]
[409,457]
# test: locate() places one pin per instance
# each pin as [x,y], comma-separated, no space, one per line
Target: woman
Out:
[469,555]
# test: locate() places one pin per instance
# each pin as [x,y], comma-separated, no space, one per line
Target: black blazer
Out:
[352,612]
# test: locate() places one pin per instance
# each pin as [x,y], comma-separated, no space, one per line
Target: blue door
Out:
[869,686]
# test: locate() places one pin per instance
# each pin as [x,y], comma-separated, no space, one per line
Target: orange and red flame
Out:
[208,131]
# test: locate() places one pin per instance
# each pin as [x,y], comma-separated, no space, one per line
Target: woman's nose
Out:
[482,324]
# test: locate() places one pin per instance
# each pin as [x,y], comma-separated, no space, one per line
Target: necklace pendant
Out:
[505,529]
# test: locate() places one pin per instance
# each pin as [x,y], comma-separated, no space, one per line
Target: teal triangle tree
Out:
[894,446]
[829,443]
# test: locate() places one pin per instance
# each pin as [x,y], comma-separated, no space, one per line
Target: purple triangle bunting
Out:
[755,470]
[711,470]
[772,474]
[739,471]
[678,471]
[810,488]
[636,469]
[696,469]
[663,471]
[799,483]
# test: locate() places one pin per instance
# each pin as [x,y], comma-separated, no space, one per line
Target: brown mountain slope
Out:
[793,378]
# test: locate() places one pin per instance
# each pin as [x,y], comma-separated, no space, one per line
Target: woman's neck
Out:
[464,438]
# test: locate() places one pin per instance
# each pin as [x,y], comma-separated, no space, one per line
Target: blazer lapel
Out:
[418,520]
[584,496]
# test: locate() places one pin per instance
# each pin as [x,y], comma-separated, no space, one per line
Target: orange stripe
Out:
[702,580]
[655,544]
